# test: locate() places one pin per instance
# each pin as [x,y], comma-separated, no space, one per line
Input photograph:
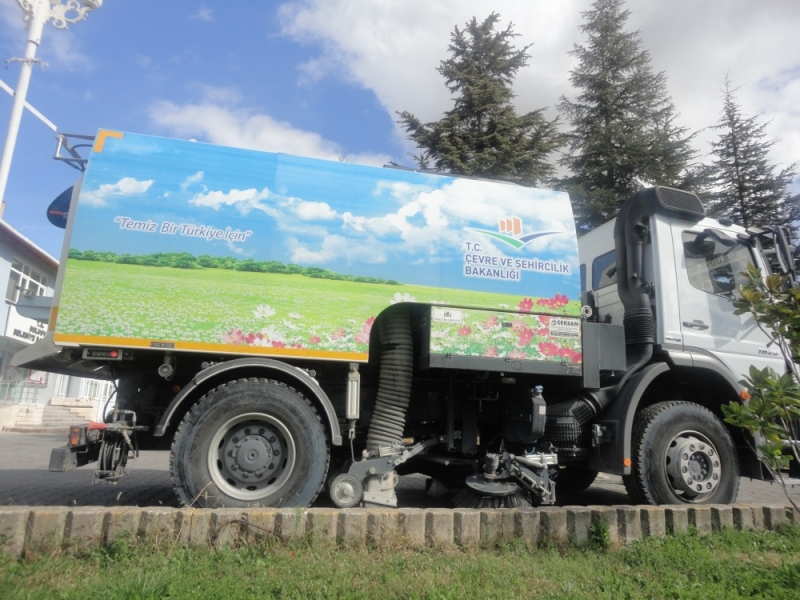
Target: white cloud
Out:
[191,180]
[430,219]
[243,200]
[393,49]
[313,211]
[335,248]
[218,119]
[203,14]
[127,186]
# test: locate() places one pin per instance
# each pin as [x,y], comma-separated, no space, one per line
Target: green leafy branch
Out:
[772,413]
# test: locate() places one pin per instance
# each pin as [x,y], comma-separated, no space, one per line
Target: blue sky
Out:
[325,78]
[144,194]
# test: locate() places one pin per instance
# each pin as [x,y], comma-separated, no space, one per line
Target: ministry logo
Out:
[509,230]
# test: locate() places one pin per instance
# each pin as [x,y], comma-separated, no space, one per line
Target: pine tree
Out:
[748,189]
[482,135]
[623,134]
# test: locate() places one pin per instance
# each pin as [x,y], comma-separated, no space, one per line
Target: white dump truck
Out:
[286,325]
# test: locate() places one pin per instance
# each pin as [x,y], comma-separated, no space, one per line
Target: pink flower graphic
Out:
[314,339]
[517,354]
[517,324]
[491,323]
[234,336]
[548,348]
[339,334]
[525,336]
[525,305]
[490,351]
[362,337]
[464,330]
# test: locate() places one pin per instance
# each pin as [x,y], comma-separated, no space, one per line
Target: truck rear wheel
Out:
[682,454]
[251,442]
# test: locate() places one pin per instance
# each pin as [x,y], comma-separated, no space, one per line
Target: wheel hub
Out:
[250,456]
[693,465]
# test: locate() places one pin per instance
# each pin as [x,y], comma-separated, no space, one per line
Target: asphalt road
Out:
[25,480]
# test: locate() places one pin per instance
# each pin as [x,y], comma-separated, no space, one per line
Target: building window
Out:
[24,279]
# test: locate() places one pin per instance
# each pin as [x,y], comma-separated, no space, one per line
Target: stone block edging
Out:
[32,528]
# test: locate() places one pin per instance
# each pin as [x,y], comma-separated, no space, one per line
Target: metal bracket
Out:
[394,456]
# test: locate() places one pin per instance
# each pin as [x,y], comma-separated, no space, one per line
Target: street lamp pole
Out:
[36,13]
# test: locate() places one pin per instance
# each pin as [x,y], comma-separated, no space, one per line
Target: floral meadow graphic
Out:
[266,311]
[517,336]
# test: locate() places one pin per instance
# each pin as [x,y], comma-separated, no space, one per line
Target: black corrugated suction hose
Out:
[394,383]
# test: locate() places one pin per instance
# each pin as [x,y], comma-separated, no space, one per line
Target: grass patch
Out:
[733,564]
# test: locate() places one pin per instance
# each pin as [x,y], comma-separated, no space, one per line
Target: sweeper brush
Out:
[479,493]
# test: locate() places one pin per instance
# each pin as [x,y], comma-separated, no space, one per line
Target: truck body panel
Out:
[192,247]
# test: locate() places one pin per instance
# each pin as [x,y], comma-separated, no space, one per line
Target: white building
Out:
[34,398]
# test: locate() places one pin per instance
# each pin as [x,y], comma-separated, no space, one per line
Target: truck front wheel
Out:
[251,442]
[682,454]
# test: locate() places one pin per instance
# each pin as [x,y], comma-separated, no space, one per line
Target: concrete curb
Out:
[24,528]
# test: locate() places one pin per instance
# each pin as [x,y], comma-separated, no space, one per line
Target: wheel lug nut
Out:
[685,457]
[699,487]
[684,470]
[689,481]
[702,446]
[691,447]
[247,431]
[271,467]
[230,452]
[277,453]
[236,440]
[271,438]
[260,431]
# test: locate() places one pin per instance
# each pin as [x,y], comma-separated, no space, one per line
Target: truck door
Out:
[709,263]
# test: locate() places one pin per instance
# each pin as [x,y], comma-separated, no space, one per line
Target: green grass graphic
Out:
[234,307]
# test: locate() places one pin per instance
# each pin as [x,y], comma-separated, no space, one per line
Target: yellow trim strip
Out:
[51,324]
[100,140]
[96,340]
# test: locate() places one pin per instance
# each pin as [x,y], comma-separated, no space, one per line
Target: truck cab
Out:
[694,269]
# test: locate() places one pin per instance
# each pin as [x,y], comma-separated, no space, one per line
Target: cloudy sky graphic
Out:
[397,224]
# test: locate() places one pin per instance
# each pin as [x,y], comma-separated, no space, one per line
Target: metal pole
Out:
[36,21]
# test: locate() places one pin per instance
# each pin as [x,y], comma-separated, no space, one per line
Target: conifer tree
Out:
[748,189]
[482,135]
[624,134]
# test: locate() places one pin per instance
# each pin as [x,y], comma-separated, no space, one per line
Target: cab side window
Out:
[714,261]
[604,270]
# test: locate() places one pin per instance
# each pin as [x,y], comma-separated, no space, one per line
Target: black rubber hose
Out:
[394,382]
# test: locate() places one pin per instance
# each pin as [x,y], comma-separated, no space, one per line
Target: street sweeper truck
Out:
[285,325]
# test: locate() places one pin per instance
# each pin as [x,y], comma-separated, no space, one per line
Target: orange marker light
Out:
[74,436]
[744,395]
[627,462]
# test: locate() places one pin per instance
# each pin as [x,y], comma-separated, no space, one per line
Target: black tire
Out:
[251,442]
[682,454]
[573,480]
